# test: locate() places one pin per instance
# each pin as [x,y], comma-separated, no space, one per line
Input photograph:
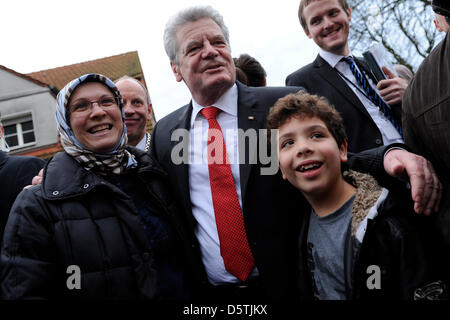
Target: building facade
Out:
[27,108]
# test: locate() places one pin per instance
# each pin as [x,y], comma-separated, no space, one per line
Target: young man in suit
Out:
[264,214]
[327,22]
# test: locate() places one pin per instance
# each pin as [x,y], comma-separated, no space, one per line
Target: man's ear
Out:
[176,71]
[307,33]
[150,109]
[437,24]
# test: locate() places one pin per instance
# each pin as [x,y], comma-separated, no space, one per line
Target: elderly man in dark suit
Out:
[15,173]
[327,22]
[426,122]
[243,218]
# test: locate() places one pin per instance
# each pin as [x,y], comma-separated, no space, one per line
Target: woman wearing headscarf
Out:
[101,225]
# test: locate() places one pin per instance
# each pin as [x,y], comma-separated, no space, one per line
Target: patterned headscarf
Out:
[117,160]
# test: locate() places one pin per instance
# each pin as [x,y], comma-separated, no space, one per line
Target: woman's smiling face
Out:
[95,117]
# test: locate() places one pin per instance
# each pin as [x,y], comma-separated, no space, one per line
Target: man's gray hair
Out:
[190,14]
[138,82]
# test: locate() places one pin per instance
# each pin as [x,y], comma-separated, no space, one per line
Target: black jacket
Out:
[77,218]
[16,172]
[391,241]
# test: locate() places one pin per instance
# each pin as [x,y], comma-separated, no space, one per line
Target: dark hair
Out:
[441,7]
[305,105]
[249,71]
[304,3]
[241,76]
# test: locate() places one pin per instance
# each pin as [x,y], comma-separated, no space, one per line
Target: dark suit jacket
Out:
[319,78]
[426,123]
[15,173]
[272,208]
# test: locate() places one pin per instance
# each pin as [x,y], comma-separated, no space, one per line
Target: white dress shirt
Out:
[142,143]
[200,188]
[387,129]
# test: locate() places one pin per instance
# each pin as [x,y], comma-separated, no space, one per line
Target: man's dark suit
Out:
[321,79]
[15,173]
[272,208]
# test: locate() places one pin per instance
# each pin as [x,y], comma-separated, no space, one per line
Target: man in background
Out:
[138,111]
[426,122]
[249,71]
[440,20]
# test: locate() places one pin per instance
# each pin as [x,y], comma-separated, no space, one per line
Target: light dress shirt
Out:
[141,144]
[388,132]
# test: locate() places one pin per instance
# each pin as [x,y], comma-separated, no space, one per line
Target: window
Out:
[20,134]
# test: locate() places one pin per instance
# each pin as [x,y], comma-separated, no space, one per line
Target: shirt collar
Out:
[331,58]
[141,144]
[227,103]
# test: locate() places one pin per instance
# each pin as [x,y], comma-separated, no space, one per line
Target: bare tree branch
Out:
[403,27]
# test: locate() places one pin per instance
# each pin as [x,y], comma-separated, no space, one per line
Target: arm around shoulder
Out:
[372,161]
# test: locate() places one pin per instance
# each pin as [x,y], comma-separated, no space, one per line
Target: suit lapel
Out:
[250,116]
[332,77]
[182,170]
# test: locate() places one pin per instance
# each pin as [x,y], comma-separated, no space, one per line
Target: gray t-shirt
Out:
[327,240]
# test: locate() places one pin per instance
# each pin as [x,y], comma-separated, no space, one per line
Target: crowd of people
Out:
[358,210]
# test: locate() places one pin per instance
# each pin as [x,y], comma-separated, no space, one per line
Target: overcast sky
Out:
[38,35]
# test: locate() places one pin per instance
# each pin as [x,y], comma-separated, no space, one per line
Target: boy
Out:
[358,242]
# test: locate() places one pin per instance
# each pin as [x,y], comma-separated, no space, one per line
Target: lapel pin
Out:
[251,118]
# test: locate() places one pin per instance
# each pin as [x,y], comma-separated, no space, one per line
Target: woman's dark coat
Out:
[75,218]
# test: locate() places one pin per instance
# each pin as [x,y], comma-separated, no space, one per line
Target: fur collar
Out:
[367,193]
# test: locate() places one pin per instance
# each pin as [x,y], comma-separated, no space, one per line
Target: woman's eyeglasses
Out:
[84,106]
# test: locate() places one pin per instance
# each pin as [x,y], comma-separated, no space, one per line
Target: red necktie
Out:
[234,247]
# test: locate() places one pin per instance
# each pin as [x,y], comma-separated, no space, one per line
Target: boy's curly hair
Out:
[305,105]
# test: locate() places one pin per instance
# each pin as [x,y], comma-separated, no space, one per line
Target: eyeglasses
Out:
[84,106]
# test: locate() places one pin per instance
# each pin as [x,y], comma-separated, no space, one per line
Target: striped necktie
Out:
[372,94]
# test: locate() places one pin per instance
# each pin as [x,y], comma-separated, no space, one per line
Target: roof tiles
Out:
[113,67]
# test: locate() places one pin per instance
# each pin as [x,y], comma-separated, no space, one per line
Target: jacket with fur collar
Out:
[387,259]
